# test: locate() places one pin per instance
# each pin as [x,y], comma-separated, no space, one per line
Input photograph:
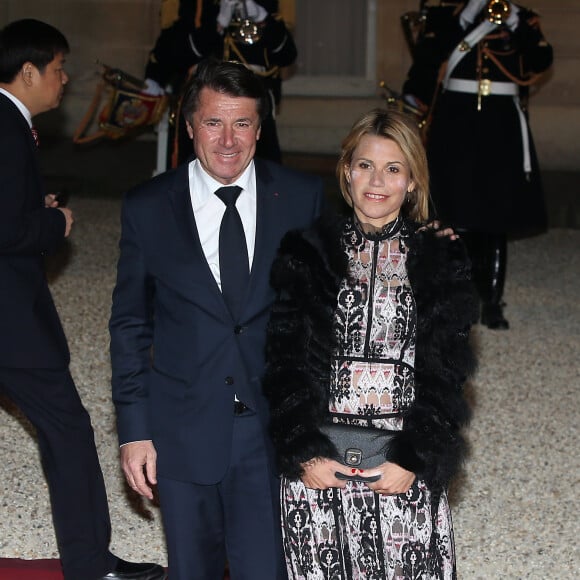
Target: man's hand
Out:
[447,232]
[139,463]
[50,200]
[56,199]
[68,216]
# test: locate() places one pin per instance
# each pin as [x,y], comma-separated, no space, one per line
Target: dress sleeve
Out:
[297,362]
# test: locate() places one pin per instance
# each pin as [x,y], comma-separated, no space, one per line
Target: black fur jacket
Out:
[306,275]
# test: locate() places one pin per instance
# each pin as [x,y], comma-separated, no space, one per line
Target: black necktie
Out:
[233,252]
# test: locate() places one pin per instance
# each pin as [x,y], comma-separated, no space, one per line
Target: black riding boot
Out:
[488,254]
[492,304]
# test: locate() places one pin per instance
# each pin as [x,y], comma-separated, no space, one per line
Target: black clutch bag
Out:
[359,447]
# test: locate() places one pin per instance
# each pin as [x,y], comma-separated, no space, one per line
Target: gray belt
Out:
[485,88]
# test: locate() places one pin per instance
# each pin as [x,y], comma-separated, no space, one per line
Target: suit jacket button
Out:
[238,329]
[229,380]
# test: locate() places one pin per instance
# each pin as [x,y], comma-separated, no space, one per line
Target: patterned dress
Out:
[354,533]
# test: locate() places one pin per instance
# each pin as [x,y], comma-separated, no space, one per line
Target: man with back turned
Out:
[34,356]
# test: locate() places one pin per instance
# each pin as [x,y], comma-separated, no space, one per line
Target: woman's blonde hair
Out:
[403,130]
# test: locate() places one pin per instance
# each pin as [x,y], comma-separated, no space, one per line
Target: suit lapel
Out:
[33,149]
[6,102]
[266,237]
[267,226]
[183,212]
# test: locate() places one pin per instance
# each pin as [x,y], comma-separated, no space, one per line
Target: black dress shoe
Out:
[492,316]
[135,571]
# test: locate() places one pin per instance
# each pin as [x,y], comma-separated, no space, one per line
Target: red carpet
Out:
[16,569]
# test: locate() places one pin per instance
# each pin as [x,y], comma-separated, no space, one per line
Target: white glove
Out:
[470,12]
[513,19]
[153,88]
[226,11]
[412,100]
[256,12]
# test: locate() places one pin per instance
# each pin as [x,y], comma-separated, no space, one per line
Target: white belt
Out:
[485,88]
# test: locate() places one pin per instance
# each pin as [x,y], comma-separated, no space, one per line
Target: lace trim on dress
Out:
[375,234]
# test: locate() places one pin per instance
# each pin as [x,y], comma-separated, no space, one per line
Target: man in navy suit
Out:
[34,356]
[186,365]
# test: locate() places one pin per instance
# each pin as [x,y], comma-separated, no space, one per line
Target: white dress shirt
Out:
[208,210]
[21,106]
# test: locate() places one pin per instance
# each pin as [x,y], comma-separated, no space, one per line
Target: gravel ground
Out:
[516,503]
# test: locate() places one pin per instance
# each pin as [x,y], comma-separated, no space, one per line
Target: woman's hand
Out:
[394,479]
[319,473]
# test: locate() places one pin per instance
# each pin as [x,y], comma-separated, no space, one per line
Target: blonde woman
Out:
[370,331]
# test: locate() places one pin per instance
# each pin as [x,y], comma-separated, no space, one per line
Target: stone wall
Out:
[120,33]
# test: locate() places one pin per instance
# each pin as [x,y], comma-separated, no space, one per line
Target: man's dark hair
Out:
[226,77]
[28,40]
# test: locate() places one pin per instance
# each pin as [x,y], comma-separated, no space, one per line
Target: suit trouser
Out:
[50,401]
[237,518]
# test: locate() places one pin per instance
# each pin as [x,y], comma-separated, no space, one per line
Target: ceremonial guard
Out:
[245,31]
[473,65]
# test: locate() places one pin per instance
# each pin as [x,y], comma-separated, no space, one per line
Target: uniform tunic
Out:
[478,180]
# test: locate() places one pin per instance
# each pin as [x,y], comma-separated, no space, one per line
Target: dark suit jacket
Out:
[177,356]
[31,335]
